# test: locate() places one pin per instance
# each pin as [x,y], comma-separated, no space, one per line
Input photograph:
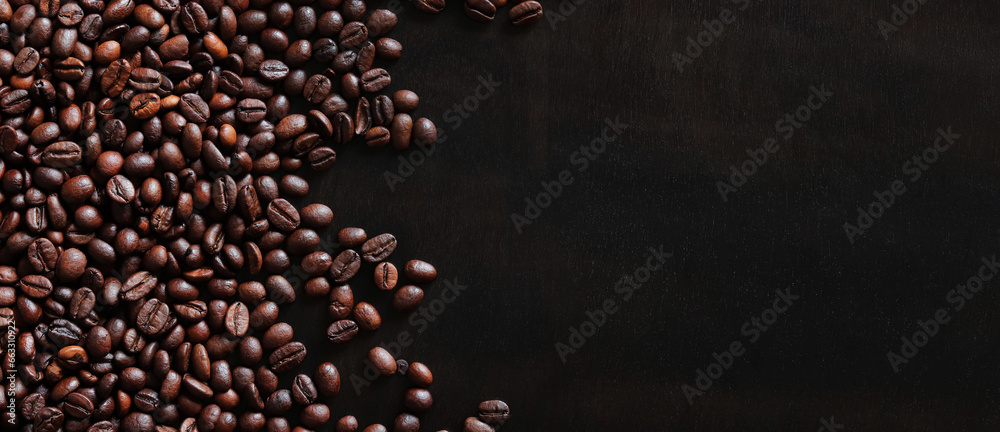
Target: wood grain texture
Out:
[656,184]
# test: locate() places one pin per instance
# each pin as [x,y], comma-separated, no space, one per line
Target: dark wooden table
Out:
[526,287]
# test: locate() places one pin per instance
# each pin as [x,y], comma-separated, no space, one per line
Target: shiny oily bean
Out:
[386,276]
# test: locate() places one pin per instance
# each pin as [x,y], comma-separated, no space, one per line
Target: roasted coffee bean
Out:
[343,128]
[380,22]
[237,319]
[494,412]
[353,34]
[327,380]
[315,416]
[316,216]
[341,302]
[405,101]
[26,61]
[342,331]
[121,189]
[351,237]
[367,317]
[287,357]
[420,375]
[144,106]
[480,10]
[15,102]
[283,215]
[383,362]
[473,424]
[317,88]
[526,13]
[194,108]
[401,130]
[418,400]
[345,266]
[115,77]
[377,136]
[429,6]
[78,405]
[407,298]
[424,132]
[378,248]
[386,276]
[303,390]
[251,110]
[406,422]
[419,271]
[375,80]
[138,286]
[36,286]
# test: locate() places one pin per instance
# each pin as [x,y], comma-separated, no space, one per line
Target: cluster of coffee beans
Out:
[523,13]
[148,160]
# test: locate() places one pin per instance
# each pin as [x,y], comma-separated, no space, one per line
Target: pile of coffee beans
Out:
[148,173]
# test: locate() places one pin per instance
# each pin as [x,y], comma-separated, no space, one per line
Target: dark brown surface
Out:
[657,185]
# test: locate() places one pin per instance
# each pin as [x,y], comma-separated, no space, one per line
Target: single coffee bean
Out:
[407,298]
[420,375]
[345,266]
[287,357]
[327,380]
[153,317]
[316,216]
[494,412]
[237,319]
[347,423]
[383,362]
[342,331]
[138,286]
[341,302]
[367,317]
[377,136]
[353,34]
[378,248]
[375,80]
[480,10]
[406,422]
[526,13]
[405,101]
[194,108]
[429,6]
[303,390]
[144,106]
[419,271]
[386,276]
[418,400]
[473,424]
[251,110]
[283,215]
